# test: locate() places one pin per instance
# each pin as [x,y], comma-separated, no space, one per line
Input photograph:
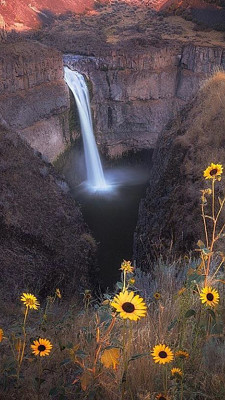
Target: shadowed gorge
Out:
[112,199]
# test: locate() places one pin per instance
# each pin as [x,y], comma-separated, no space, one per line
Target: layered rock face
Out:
[135,94]
[170,221]
[44,241]
[34,98]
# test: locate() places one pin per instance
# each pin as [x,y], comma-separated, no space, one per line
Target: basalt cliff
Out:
[45,242]
[34,99]
[135,94]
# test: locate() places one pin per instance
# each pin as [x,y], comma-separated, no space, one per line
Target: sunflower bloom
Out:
[41,347]
[157,295]
[30,301]
[182,354]
[129,305]
[176,372]
[213,171]
[126,266]
[161,396]
[1,335]
[162,354]
[209,296]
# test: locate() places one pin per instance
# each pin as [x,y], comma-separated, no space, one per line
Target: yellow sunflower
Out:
[161,396]
[176,372]
[209,296]
[41,347]
[1,335]
[30,301]
[181,354]
[126,266]
[213,171]
[129,305]
[157,295]
[162,354]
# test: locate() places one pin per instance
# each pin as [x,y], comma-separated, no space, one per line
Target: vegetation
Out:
[164,342]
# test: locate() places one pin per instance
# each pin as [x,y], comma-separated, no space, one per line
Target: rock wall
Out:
[34,98]
[134,95]
[169,221]
[44,241]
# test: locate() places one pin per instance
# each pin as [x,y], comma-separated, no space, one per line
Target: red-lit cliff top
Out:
[27,14]
[22,15]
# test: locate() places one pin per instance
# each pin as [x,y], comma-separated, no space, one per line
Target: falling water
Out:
[95,175]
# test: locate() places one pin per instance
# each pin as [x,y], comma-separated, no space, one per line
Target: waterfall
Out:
[95,175]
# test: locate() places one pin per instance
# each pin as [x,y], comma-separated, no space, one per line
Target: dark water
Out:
[112,215]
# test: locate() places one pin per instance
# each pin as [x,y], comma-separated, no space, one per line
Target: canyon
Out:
[141,76]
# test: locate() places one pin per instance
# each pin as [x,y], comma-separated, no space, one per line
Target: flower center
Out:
[41,347]
[213,172]
[128,307]
[210,296]
[162,354]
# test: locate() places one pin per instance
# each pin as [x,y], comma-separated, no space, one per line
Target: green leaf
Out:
[81,354]
[119,285]
[66,361]
[172,324]
[136,356]
[190,313]
[205,251]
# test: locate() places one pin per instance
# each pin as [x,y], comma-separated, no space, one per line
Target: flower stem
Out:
[20,360]
[182,384]
[39,377]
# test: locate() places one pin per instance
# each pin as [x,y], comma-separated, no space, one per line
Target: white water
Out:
[95,175]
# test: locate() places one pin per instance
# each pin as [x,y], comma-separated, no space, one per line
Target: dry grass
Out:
[67,326]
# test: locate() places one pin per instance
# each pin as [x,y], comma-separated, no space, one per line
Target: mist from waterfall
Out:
[95,176]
